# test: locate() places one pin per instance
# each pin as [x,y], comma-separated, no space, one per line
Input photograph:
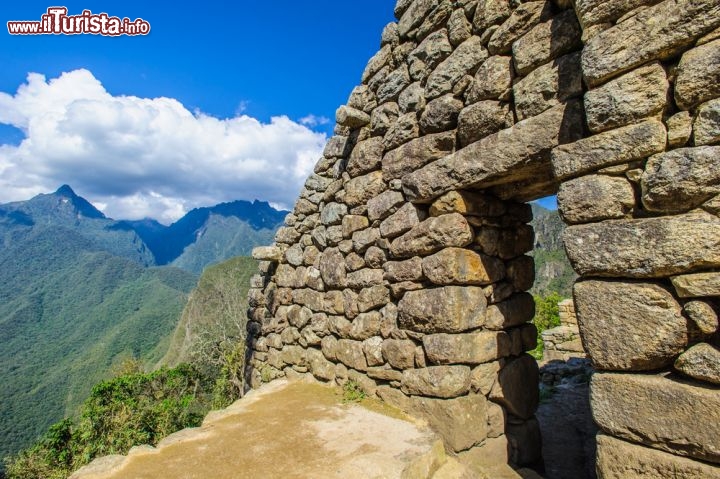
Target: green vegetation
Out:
[68,313]
[131,409]
[547,316]
[352,392]
[553,272]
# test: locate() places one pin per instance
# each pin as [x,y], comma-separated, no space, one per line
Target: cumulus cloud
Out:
[313,120]
[140,157]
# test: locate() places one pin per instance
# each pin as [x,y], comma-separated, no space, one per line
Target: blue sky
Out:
[229,100]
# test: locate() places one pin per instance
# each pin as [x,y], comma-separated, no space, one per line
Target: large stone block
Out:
[468,203]
[509,155]
[332,268]
[642,93]
[437,381]
[645,248]
[631,43]
[464,60]
[707,123]
[399,353]
[548,85]
[698,77]
[351,354]
[428,54]
[440,114]
[629,326]
[517,310]
[697,285]
[451,309]
[521,21]
[595,198]
[365,157]
[516,388]
[471,348]
[664,413]
[462,266]
[482,119]
[359,190]
[433,234]
[547,41]
[617,459]
[701,362]
[417,153]
[682,179]
[402,221]
[461,422]
[594,12]
[493,80]
[623,145]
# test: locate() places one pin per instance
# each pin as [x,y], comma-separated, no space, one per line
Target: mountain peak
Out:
[65,190]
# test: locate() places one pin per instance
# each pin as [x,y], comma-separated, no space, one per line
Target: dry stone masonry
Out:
[404,264]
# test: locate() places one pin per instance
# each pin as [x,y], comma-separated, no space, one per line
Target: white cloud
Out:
[146,157]
[313,121]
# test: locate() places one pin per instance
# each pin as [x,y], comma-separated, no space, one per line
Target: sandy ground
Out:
[284,430]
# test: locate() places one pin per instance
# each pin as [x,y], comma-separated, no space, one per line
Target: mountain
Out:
[80,292]
[552,268]
[209,235]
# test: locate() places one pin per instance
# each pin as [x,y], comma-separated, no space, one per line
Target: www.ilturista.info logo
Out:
[57,22]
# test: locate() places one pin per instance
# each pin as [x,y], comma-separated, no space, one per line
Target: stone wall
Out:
[563,342]
[403,266]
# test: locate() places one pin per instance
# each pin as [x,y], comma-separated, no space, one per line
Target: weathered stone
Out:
[351,354]
[464,60]
[393,84]
[459,28]
[703,315]
[383,117]
[707,124]
[679,129]
[462,266]
[506,243]
[384,204]
[408,270]
[333,213]
[547,41]
[351,117]
[373,297]
[412,99]
[373,351]
[521,272]
[332,268]
[698,75]
[380,60]
[461,422]
[333,303]
[481,119]
[362,240]
[441,114]
[682,179]
[701,362]
[399,353]
[619,459]
[642,93]
[629,326]
[697,285]
[595,198]
[594,12]
[305,207]
[416,154]
[405,129]
[467,203]
[414,15]
[522,20]
[471,348]
[402,221]
[359,190]
[451,309]
[362,98]
[293,355]
[432,235]
[428,54]
[490,12]
[630,43]
[375,257]
[483,377]
[384,374]
[661,412]
[436,19]
[516,387]
[320,367]
[437,381]
[299,316]
[365,326]
[267,253]
[623,145]
[517,310]
[548,85]
[365,157]
[493,80]
[353,223]
[364,278]
[508,155]
[294,255]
